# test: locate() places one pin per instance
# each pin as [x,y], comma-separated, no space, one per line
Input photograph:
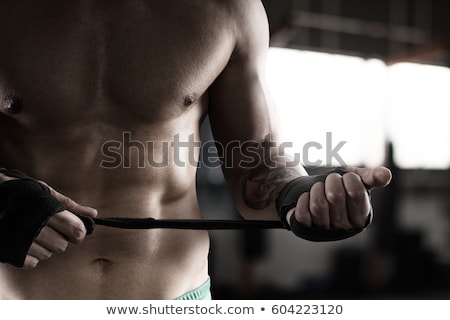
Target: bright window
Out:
[363,104]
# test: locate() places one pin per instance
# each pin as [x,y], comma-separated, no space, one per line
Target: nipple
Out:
[189,100]
[11,105]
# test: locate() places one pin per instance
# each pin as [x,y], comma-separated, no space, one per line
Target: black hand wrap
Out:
[25,207]
[287,200]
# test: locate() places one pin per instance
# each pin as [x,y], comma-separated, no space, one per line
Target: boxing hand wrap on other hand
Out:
[287,200]
[25,207]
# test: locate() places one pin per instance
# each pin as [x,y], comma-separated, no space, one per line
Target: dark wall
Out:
[413,30]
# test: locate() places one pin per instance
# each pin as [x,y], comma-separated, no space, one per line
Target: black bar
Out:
[191,224]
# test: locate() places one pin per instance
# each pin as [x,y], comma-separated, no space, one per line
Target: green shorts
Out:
[201,293]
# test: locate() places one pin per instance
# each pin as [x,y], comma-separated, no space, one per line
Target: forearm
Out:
[256,188]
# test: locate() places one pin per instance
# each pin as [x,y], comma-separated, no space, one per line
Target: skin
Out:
[77,74]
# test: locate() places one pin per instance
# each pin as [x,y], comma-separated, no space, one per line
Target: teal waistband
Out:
[201,293]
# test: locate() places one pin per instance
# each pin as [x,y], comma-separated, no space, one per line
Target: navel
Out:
[103,265]
[11,105]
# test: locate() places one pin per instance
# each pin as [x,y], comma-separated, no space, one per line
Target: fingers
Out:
[44,245]
[30,262]
[302,212]
[51,240]
[68,225]
[342,202]
[319,206]
[312,208]
[39,252]
[357,199]
[62,228]
[336,196]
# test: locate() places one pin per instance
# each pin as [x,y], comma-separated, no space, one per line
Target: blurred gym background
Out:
[376,75]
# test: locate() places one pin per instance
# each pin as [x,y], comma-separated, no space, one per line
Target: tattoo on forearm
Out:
[261,185]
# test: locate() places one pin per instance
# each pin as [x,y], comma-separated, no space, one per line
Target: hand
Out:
[342,202]
[61,229]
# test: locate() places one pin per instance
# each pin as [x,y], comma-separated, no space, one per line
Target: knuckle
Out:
[30,263]
[61,247]
[303,217]
[43,235]
[77,231]
[334,175]
[357,194]
[352,175]
[335,196]
[319,205]
[66,201]
[46,255]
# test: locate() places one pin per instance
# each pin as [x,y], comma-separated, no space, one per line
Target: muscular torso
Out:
[85,84]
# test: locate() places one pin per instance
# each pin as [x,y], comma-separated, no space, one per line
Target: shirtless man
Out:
[76,74]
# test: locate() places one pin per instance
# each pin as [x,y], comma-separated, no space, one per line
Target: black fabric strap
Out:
[191,224]
[320,235]
[20,197]
[286,201]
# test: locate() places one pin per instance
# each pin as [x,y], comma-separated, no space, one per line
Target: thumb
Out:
[75,207]
[377,177]
[72,205]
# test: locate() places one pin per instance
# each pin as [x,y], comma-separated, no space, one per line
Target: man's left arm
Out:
[249,137]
